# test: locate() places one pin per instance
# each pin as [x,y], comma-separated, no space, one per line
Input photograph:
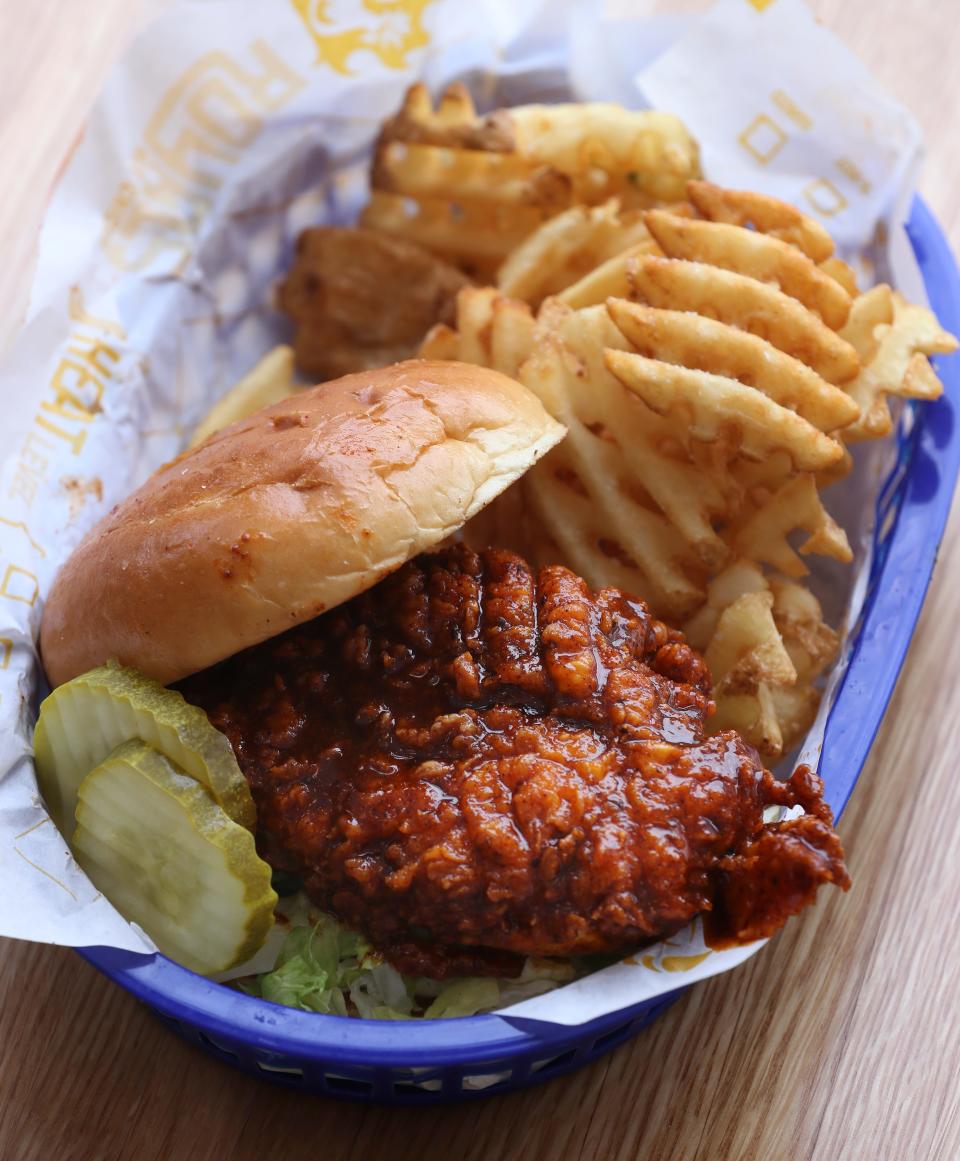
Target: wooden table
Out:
[839,1041]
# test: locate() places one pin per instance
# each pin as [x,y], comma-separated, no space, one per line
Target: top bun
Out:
[288,513]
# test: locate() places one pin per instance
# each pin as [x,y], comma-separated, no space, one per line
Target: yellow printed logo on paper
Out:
[395,29]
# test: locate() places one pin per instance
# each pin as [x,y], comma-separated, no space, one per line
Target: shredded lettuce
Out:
[323,967]
[464,997]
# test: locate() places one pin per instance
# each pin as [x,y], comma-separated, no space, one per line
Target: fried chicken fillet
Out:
[471,764]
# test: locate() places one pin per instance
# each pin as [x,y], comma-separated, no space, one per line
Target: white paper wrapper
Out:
[230,126]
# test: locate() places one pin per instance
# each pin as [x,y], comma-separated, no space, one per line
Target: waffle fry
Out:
[642,157]
[744,302]
[811,643]
[570,246]
[491,331]
[723,412]
[472,187]
[812,646]
[475,237]
[894,339]
[764,214]
[690,340]
[763,535]
[766,644]
[576,503]
[710,373]
[609,280]
[760,256]
[745,652]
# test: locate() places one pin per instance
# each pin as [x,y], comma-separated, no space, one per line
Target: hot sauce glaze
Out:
[471,764]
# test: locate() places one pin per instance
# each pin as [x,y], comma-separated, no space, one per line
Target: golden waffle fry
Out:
[762,535]
[566,248]
[839,271]
[442,343]
[746,649]
[812,646]
[575,495]
[492,331]
[895,359]
[656,472]
[758,478]
[453,121]
[743,302]
[870,311]
[754,717]
[609,280]
[642,157]
[738,579]
[704,344]
[760,256]
[765,214]
[442,173]
[766,644]
[723,412]
[811,643]
[477,237]
[471,188]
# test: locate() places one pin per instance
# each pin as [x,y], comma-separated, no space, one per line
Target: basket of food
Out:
[424,708]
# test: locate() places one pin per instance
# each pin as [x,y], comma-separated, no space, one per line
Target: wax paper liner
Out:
[228,127]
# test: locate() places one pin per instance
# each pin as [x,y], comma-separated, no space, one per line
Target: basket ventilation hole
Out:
[423,1088]
[280,1070]
[220,1049]
[554,1062]
[610,1038]
[348,1084]
[481,1081]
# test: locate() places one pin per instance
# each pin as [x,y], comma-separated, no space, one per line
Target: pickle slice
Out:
[82,721]
[169,859]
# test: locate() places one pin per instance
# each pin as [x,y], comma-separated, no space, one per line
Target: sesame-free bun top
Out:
[287,513]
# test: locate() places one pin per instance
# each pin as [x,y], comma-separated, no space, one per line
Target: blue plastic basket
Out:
[424,1062]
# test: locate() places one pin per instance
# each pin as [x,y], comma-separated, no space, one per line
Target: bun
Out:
[287,513]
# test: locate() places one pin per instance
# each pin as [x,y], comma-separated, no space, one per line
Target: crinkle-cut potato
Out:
[764,214]
[336,291]
[491,331]
[635,498]
[840,272]
[756,255]
[720,411]
[762,534]
[704,344]
[472,187]
[590,500]
[894,339]
[571,245]
[476,237]
[710,374]
[742,301]
[609,280]
[766,644]
[641,156]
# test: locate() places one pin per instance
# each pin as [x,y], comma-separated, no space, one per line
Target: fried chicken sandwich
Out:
[467,761]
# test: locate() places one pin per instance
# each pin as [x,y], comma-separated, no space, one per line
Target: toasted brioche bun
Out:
[288,513]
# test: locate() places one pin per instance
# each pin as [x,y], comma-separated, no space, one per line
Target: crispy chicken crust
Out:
[471,764]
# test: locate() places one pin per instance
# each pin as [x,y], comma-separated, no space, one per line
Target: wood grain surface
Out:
[840,1041]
